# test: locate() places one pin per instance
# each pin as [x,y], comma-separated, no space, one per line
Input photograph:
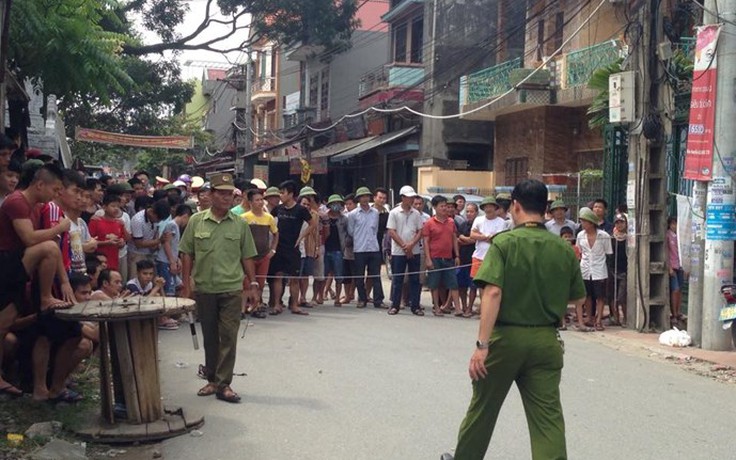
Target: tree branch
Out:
[183,43]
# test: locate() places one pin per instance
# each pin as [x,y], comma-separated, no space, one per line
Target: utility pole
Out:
[648,301]
[718,260]
[249,161]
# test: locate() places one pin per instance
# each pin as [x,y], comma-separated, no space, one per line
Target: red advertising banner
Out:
[699,155]
[159,142]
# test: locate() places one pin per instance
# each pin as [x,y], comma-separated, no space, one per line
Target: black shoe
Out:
[447,456]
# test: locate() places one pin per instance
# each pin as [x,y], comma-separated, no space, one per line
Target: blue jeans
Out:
[399,265]
[372,261]
[333,265]
[171,281]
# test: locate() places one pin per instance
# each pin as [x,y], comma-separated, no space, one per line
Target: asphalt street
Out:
[356,384]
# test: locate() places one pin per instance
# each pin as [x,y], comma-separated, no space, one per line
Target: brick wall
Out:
[554,139]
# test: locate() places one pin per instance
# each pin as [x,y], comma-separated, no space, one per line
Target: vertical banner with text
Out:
[699,155]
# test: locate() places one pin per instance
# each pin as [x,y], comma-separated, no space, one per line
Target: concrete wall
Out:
[606,24]
[219,117]
[367,53]
[433,176]
[454,51]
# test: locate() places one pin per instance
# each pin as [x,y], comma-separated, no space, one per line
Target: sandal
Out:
[599,327]
[202,372]
[275,311]
[437,312]
[338,304]
[227,394]
[260,313]
[168,325]
[299,312]
[67,396]
[207,390]
[392,311]
[458,314]
[583,328]
[417,311]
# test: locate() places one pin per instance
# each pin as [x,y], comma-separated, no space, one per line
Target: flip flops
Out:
[392,311]
[11,391]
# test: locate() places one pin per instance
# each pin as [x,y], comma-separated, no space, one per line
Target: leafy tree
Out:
[62,46]
[329,23]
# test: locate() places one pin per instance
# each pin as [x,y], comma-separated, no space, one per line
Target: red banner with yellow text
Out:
[700,137]
[131,140]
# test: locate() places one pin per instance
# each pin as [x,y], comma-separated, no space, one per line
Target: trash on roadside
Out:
[181,364]
[675,338]
[15,439]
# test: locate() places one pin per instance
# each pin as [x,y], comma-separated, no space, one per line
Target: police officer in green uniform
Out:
[530,276]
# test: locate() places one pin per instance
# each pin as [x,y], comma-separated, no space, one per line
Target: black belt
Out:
[504,323]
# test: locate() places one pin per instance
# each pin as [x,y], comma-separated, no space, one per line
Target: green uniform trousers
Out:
[219,315]
[531,357]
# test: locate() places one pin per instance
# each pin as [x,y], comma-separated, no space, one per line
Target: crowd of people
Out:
[66,238]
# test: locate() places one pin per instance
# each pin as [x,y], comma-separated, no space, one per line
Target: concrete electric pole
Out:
[718,260]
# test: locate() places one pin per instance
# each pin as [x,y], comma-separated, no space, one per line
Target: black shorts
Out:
[286,261]
[595,289]
[56,330]
[13,279]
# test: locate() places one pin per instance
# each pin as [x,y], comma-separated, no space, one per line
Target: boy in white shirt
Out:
[484,228]
[596,254]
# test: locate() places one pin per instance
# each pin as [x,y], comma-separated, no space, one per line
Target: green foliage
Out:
[598,110]
[329,23]
[62,47]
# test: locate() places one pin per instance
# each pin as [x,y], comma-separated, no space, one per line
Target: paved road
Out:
[351,384]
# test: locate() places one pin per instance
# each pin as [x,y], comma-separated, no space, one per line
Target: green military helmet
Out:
[362,191]
[488,200]
[272,191]
[336,198]
[170,187]
[557,204]
[588,214]
[307,191]
[120,188]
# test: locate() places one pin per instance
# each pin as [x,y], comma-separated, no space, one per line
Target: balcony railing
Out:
[488,83]
[264,85]
[579,65]
[390,76]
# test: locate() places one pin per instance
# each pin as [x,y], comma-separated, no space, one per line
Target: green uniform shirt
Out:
[537,272]
[218,249]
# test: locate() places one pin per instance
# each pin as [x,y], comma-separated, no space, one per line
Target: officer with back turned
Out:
[530,276]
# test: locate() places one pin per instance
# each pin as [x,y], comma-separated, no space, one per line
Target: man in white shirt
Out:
[405,229]
[559,220]
[596,252]
[483,229]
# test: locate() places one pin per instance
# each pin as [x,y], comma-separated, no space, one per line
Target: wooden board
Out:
[123,309]
[125,361]
[173,425]
[106,396]
[143,342]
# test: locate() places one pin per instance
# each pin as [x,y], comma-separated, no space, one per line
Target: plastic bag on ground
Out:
[675,338]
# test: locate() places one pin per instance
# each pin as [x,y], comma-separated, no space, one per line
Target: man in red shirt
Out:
[442,255]
[53,211]
[109,231]
[25,251]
